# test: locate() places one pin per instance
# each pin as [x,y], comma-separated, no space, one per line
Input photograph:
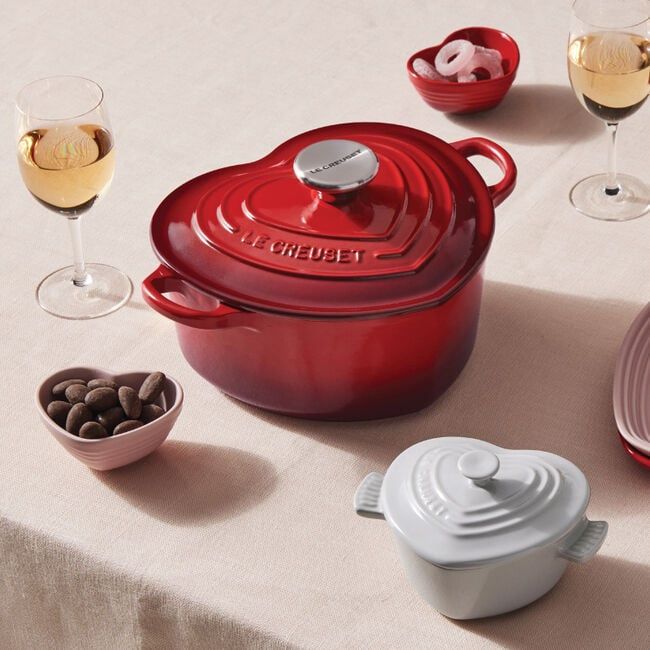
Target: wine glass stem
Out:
[80,276]
[612,188]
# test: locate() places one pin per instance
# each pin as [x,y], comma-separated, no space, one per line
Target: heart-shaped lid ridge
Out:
[461,502]
[349,219]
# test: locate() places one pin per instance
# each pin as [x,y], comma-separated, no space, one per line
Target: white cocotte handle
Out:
[588,544]
[366,498]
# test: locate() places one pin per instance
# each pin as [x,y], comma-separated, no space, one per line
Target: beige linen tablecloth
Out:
[239,531]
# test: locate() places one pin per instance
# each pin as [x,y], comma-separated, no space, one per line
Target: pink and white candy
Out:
[494,53]
[462,59]
[466,77]
[426,70]
[484,58]
[454,56]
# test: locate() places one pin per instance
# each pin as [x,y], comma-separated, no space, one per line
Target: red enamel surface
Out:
[451,97]
[343,369]
[258,238]
[391,226]
[634,453]
[339,341]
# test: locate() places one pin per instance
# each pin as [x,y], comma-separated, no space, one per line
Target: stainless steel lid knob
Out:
[335,167]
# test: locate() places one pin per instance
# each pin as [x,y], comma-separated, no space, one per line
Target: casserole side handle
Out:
[164,280]
[491,150]
[588,544]
[366,498]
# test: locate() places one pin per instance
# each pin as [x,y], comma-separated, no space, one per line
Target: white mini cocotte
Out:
[482,530]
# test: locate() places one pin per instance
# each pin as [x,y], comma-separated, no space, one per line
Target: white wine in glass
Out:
[66,158]
[66,168]
[609,70]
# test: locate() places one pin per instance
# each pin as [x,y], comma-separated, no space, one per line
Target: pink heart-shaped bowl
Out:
[452,97]
[120,450]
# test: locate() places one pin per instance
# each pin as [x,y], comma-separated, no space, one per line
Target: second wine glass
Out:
[66,157]
[609,69]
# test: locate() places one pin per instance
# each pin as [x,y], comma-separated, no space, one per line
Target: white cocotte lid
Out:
[461,502]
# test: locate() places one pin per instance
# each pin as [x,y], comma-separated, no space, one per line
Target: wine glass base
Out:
[108,290]
[632,201]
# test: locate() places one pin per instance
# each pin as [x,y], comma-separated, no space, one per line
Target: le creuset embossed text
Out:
[482,530]
[339,277]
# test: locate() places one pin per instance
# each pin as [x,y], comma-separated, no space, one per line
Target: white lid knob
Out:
[478,466]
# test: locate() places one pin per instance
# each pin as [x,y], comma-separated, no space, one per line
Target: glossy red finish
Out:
[634,453]
[258,238]
[163,281]
[343,343]
[332,369]
[450,97]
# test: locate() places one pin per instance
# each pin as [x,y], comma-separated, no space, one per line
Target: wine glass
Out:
[609,69]
[66,158]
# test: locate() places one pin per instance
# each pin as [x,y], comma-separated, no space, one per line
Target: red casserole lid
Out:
[350,219]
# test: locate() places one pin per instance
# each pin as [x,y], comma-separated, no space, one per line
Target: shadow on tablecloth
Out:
[187,483]
[535,114]
[540,377]
[594,606]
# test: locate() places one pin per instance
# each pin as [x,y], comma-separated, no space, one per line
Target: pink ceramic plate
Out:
[631,393]
[112,452]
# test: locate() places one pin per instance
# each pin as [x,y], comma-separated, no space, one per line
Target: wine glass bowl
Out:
[66,158]
[608,60]
[67,168]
